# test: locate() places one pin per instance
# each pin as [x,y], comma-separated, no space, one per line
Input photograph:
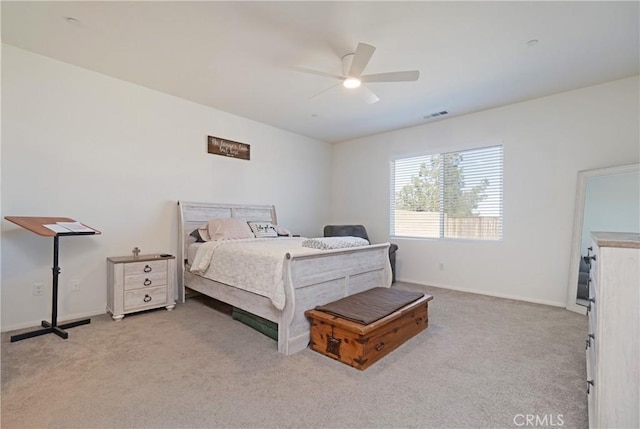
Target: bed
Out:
[309,279]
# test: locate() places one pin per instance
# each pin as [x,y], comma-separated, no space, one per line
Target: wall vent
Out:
[436,114]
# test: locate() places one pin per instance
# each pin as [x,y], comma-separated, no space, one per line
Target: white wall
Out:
[546,142]
[118,157]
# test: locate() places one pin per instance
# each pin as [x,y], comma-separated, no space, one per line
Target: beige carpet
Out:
[483,362]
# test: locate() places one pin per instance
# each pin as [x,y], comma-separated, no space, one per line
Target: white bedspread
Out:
[252,264]
[192,250]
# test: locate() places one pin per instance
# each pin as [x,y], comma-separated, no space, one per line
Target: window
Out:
[448,195]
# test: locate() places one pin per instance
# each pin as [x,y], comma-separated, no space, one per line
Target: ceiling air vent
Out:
[436,114]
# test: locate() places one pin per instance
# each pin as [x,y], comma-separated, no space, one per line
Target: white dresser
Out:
[140,283]
[613,342]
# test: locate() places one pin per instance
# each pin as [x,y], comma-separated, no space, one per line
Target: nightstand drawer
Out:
[140,298]
[152,279]
[145,267]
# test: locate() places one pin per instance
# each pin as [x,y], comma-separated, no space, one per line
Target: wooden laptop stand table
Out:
[36,225]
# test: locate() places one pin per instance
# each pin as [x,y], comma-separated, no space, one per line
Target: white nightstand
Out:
[140,283]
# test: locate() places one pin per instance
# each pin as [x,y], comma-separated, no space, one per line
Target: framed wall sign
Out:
[223,147]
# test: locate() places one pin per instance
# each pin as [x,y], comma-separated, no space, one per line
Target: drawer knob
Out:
[147,269]
[380,346]
[589,384]
[587,259]
[147,298]
[147,282]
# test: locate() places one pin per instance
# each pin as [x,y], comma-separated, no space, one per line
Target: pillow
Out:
[263,229]
[225,229]
[282,232]
[196,234]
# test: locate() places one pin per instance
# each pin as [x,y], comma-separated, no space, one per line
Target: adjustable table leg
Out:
[53,326]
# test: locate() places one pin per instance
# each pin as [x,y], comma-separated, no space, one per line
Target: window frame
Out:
[441,224]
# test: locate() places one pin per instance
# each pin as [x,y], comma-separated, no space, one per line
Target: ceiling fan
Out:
[352,67]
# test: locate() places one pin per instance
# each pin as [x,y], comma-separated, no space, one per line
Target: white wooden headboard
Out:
[192,215]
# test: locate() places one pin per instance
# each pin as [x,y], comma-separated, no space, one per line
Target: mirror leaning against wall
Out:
[607,199]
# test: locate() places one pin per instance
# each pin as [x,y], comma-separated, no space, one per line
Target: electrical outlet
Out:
[441,266]
[38,289]
[75,285]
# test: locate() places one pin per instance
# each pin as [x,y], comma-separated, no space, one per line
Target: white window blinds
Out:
[448,195]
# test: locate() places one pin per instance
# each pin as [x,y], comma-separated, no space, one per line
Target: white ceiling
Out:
[238,56]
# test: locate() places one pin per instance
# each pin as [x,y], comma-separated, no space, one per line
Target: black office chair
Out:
[361,231]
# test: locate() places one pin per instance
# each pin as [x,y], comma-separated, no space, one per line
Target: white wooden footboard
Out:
[317,279]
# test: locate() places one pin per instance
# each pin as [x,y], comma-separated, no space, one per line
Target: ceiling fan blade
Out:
[361,59]
[402,76]
[323,91]
[367,95]
[317,73]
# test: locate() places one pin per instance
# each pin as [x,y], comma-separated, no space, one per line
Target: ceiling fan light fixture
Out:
[353,66]
[351,82]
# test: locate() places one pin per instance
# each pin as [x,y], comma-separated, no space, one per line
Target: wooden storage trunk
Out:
[360,345]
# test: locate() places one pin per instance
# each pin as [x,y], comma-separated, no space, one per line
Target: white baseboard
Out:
[482,292]
[61,321]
